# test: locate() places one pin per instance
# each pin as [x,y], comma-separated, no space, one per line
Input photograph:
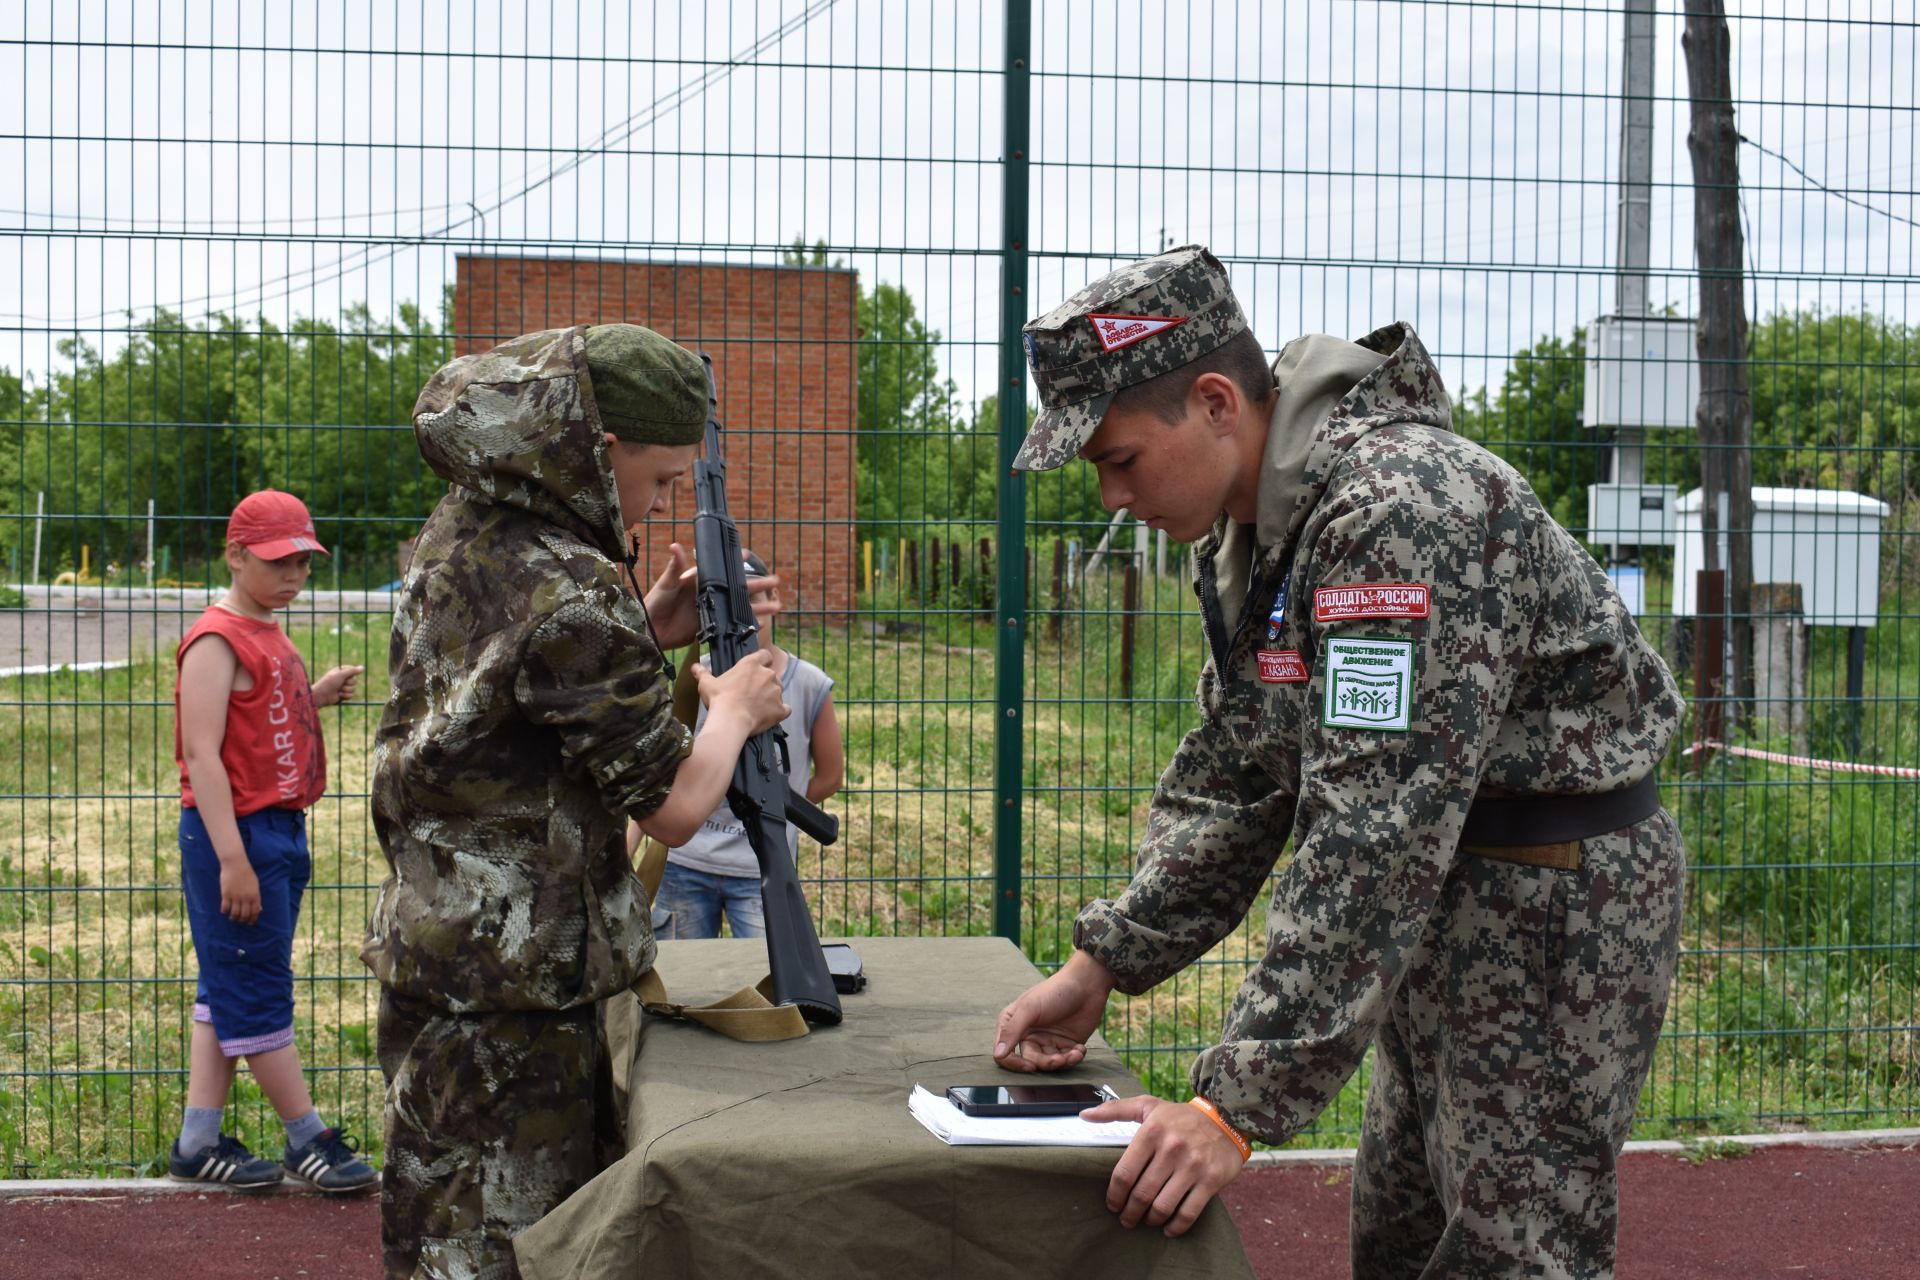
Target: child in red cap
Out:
[247,738]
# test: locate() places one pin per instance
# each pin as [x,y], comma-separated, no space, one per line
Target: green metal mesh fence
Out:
[234,242]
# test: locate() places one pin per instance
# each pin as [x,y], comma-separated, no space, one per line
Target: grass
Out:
[1796,1003]
[96,966]
[1699,1151]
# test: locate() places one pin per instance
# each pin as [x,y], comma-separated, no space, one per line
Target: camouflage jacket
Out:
[1413,629]
[529,715]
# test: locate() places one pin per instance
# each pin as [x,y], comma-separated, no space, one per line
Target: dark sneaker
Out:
[227,1162]
[329,1163]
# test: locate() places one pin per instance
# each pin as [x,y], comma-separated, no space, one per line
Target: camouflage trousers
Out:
[491,1121]
[1506,1074]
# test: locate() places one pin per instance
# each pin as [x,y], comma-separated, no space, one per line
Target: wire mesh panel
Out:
[236,241]
[1514,181]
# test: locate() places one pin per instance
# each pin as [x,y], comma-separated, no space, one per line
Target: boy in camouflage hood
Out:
[530,715]
[1430,690]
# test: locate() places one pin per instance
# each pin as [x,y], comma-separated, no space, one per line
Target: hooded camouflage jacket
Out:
[529,715]
[1412,629]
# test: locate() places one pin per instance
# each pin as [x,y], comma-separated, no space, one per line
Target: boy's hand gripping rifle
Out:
[759,796]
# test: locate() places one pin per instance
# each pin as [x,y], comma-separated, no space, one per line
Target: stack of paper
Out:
[956,1128]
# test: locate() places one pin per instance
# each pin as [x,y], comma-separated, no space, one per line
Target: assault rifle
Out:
[759,796]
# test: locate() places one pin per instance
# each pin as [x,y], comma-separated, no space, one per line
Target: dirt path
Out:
[1804,1213]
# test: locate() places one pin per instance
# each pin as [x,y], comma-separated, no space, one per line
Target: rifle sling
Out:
[748,1014]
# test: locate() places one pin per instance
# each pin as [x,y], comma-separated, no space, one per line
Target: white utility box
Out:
[1641,372]
[1631,514]
[1827,540]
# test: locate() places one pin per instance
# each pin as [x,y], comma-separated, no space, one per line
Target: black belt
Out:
[1512,821]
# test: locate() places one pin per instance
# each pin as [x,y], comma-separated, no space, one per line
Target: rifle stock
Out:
[759,794]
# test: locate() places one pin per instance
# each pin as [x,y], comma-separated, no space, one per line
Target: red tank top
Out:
[273,752]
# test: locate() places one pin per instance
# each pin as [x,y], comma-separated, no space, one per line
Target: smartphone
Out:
[1028,1099]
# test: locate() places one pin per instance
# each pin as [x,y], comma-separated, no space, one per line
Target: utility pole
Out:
[1633,249]
[1725,411]
[1636,162]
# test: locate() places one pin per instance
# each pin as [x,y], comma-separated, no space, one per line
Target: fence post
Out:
[1010,673]
[1059,589]
[999,580]
[1129,610]
[1856,682]
[1780,657]
[1709,660]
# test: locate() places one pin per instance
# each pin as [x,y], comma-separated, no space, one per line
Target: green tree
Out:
[152,422]
[193,416]
[19,406]
[333,409]
[1836,403]
[1533,423]
[910,445]
[904,450]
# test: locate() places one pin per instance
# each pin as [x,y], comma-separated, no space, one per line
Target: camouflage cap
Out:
[649,389]
[1127,327]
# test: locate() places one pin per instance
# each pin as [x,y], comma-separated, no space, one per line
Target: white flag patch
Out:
[1369,683]
[1115,332]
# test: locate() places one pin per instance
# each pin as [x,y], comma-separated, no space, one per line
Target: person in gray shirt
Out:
[715,872]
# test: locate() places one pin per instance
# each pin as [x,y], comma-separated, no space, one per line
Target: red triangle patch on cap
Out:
[1115,332]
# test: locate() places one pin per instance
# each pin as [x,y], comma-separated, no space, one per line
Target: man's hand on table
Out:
[1048,1027]
[1177,1162]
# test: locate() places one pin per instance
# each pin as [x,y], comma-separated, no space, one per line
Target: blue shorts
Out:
[246,970]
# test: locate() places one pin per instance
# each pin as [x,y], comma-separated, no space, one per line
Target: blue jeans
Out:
[696,899]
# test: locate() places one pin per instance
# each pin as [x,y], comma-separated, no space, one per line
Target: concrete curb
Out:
[116,1188]
[103,1187]
[1839,1138]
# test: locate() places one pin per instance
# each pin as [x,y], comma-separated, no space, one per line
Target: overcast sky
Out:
[1449,164]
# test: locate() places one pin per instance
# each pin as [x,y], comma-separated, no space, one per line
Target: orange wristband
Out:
[1208,1109]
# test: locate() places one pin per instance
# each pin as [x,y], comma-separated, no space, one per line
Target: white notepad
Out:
[956,1128]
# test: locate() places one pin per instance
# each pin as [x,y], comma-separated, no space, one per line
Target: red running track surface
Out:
[1804,1213]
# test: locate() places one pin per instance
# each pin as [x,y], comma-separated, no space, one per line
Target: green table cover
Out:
[799,1158]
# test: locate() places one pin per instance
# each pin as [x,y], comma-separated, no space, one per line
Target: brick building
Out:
[782,342]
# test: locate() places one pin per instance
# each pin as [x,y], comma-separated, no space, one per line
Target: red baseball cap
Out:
[272,524]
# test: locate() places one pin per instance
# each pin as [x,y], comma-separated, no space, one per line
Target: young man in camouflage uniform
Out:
[530,715]
[1434,693]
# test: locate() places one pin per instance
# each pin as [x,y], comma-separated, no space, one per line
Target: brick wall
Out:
[781,339]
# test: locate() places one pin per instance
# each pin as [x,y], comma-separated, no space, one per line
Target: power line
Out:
[367,256]
[223,223]
[1816,183]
